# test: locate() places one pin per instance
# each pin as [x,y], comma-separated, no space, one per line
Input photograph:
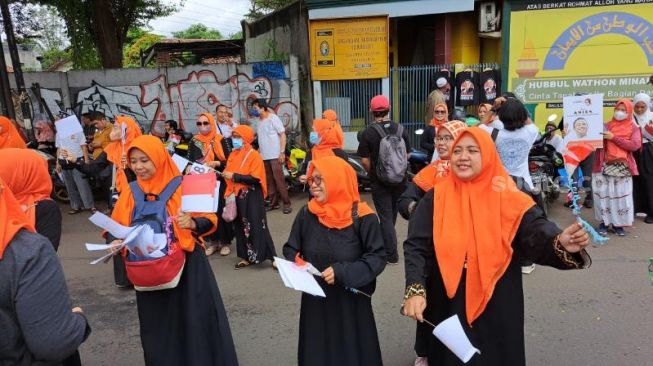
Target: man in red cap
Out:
[383,148]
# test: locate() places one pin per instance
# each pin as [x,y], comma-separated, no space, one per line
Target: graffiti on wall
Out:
[153,102]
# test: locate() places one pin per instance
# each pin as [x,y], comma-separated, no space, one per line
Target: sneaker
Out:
[619,231]
[648,220]
[287,210]
[527,269]
[210,250]
[421,361]
[602,229]
[393,263]
[225,250]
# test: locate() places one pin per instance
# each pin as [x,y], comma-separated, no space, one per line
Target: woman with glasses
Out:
[440,116]
[206,148]
[245,177]
[341,236]
[432,173]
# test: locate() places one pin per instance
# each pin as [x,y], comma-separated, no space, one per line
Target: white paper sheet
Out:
[299,279]
[197,168]
[68,126]
[451,333]
[105,222]
[180,162]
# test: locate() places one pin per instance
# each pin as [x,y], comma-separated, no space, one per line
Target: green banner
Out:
[551,90]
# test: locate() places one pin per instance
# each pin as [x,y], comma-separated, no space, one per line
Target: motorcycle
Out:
[543,163]
[417,159]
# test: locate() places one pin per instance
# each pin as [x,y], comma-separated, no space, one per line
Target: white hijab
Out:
[647,116]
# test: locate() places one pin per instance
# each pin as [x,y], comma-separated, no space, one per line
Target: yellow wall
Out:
[465,44]
[491,50]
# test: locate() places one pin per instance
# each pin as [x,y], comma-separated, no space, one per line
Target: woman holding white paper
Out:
[462,254]
[340,236]
[187,324]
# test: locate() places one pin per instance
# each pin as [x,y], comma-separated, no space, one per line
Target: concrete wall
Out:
[153,96]
[284,32]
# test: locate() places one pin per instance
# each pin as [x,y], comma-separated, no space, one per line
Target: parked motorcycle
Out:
[543,163]
[417,159]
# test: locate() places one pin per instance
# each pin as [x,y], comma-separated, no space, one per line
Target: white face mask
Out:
[620,115]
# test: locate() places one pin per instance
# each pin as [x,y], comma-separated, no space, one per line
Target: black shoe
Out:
[589,203]
[568,204]
[648,220]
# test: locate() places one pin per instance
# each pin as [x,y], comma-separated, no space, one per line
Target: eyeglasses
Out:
[446,138]
[199,123]
[314,179]
[440,112]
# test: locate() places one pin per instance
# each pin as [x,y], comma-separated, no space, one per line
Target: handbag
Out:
[230,211]
[616,169]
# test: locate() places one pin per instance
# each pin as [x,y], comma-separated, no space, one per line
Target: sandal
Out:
[271,208]
[241,264]
[74,212]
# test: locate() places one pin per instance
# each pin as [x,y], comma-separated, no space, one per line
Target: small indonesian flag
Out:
[198,193]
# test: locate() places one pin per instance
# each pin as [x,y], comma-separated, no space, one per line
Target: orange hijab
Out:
[213,138]
[435,172]
[115,149]
[341,192]
[10,137]
[11,216]
[252,166]
[25,172]
[437,123]
[477,220]
[331,137]
[165,171]
[623,129]
[332,116]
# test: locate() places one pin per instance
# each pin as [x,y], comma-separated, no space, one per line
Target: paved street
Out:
[600,316]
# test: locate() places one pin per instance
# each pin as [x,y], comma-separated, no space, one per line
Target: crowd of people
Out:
[473,227]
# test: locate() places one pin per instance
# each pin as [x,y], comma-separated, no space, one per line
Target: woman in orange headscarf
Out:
[246,184]
[33,297]
[327,139]
[116,151]
[186,324]
[340,236]
[26,173]
[463,250]
[9,135]
[208,147]
[433,173]
[440,116]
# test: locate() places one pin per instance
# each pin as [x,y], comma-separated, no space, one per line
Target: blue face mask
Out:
[238,143]
[254,113]
[314,138]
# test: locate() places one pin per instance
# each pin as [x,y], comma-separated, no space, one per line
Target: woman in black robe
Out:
[245,177]
[341,237]
[462,254]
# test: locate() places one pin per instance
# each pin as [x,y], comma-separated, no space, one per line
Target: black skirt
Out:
[186,325]
[643,184]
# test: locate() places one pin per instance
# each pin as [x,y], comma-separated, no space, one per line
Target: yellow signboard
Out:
[563,48]
[351,48]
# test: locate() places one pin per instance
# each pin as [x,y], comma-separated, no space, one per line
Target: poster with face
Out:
[583,120]
[467,90]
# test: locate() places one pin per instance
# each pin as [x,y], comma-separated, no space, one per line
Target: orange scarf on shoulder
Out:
[623,129]
[475,222]
[166,170]
[9,135]
[331,137]
[341,192]
[25,172]
[12,217]
[245,161]
[115,150]
[211,142]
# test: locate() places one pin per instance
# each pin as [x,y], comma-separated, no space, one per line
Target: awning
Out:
[394,9]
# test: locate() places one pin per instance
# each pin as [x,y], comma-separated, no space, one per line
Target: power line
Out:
[213,8]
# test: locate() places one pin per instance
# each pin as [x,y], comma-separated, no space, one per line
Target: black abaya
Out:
[499,331]
[186,325]
[338,330]
[643,184]
[253,240]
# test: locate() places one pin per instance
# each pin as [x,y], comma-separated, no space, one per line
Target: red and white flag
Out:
[198,193]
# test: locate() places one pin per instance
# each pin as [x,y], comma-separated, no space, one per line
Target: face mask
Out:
[314,138]
[620,115]
[238,143]
[254,113]
[205,130]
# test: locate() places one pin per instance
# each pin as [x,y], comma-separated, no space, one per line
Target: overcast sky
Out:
[223,15]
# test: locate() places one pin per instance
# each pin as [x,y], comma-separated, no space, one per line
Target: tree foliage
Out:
[198,31]
[24,24]
[132,56]
[98,29]
[259,8]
